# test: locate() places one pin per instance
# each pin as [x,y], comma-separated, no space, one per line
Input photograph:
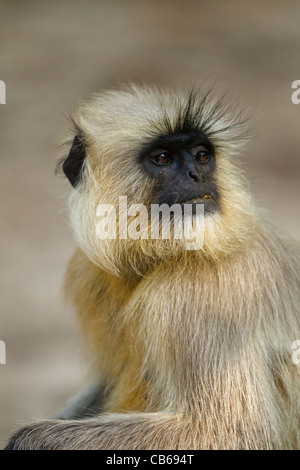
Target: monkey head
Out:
[157,147]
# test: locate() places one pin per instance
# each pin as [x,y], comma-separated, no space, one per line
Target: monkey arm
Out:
[138,431]
[223,424]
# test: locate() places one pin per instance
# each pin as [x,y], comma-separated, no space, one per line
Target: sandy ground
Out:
[54,54]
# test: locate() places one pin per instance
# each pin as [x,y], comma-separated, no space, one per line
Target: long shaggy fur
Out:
[194,347]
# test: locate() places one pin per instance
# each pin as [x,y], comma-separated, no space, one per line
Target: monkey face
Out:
[157,147]
[183,167]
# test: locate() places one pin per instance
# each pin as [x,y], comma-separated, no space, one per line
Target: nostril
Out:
[193,177]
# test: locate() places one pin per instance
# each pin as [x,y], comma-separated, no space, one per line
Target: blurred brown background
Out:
[55,53]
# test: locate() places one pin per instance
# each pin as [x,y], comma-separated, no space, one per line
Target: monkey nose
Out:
[192,176]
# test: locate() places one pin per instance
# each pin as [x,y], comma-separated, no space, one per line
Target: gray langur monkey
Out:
[191,348]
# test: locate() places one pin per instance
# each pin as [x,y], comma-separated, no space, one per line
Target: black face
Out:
[183,166]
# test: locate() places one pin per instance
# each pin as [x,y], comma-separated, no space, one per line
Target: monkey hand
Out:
[53,435]
[30,437]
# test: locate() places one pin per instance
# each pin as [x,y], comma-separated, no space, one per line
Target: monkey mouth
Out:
[198,199]
[209,201]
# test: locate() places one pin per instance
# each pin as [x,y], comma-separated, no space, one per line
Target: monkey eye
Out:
[202,156]
[161,158]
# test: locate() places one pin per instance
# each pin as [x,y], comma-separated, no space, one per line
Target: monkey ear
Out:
[72,165]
